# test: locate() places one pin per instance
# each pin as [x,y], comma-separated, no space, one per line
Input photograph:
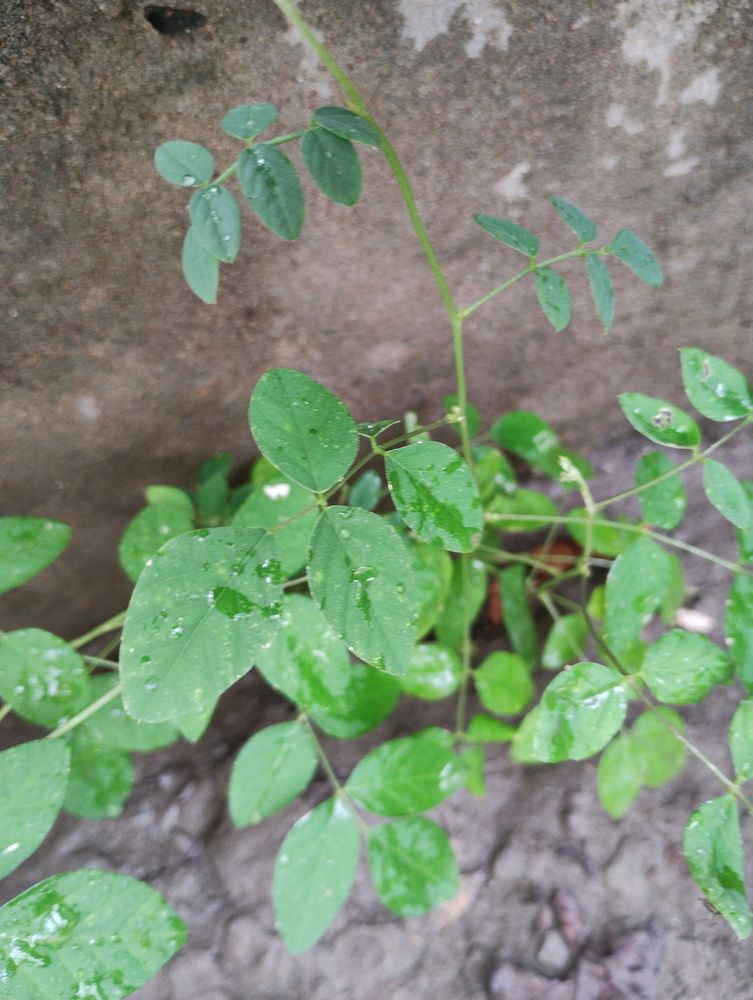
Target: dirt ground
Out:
[557,901]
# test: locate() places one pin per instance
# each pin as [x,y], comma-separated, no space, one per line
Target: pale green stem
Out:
[82,716]
[337,786]
[109,626]
[5,711]
[99,661]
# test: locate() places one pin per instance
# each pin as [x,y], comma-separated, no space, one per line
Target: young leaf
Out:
[600,281]
[472,416]
[579,713]
[436,495]
[156,524]
[433,672]
[485,729]
[494,474]
[633,252]
[509,233]
[503,682]
[566,642]
[201,269]
[714,852]
[660,421]
[412,865]
[248,120]
[716,389]
[276,501]
[726,493]
[33,777]
[432,569]
[184,163]
[682,667]
[662,505]
[100,781]
[659,752]
[347,125]
[576,220]
[534,440]
[310,664]
[740,740]
[554,297]
[366,491]
[360,575]
[27,546]
[333,164]
[619,776]
[518,617]
[271,770]
[111,727]
[201,612]
[516,512]
[302,428]
[459,613]
[635,586]
[406,775]
[216,221]
[41,677]
[270,183]
[314,872]
[86,933]
[738,627]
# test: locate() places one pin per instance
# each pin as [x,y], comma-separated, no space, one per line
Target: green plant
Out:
[219,588]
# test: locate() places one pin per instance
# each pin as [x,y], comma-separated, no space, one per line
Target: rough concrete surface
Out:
[557,902]
[114,376]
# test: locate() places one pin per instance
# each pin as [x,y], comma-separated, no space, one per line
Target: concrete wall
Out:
[113,375]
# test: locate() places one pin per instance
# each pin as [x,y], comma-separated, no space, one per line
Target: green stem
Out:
[83,715]
[98,661]
[460,712]
[109,626]
[337,786]
[5,711]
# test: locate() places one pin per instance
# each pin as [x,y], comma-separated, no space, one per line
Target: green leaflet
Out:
[682,667]
[314,872]
[366,491]
[529,503]
[633,252]
[347,125]
[271,770]
[433,672]
[606,539]
[432,568]
[213,489]
[618,778]
[169,494]
[186,164]
[741,740]
[27,546]
[333,163]
[156,524]
[662,505]
[302,428]
[193,726]
[33,777]
[485,729]
[248,120]
[600,281]
[216,221]
[579,712]
[518,617]
[436,495]
[726,493]
[714,852]
[745,537]
[472,762]
[715,388]
[659,752]
[86,933]
[41,677]
[100,781]
[111,727]
[494,474]
[674,595]
[513,236]
[566,641]
[360,575]
[270,183]
[660,421]
[554,297]
[456,614]
[503,682]
[406,775]
[200,613]
[201,269]
[534,440]
[310,664]
[278,500]
[738,627]
[412,865]
[636,584]
[576,220]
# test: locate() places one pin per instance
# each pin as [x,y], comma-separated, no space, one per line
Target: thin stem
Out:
[99,661]
[83,715]
[109,626]
[465,568]
[288,137]
[226,174]
[5,711]
[337,787]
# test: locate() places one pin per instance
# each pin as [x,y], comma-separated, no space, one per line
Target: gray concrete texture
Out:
[114,376]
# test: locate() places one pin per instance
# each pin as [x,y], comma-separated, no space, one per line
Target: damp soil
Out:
[557,901]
